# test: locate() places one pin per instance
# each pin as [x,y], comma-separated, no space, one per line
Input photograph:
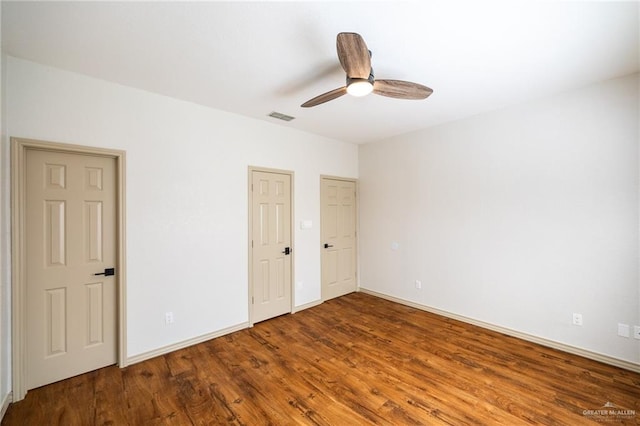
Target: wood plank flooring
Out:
[350,361]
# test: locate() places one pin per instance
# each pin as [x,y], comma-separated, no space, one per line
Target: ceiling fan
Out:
[355,59]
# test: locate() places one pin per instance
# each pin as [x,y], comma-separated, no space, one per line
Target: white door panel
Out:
[70,236]
[271,239]
[339,250]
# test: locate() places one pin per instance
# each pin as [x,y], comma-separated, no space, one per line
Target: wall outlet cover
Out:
[577,319]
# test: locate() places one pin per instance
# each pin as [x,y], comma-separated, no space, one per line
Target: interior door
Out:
[271,244]
[70,237]
[338,232]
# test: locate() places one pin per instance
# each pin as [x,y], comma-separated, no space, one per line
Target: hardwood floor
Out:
[353,360]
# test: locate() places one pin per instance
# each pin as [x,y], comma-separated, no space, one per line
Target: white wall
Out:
[5,257]
[517,218]
[187,213]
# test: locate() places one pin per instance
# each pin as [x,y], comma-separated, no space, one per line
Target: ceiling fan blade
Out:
[325,97]
[354,55]
[401,89]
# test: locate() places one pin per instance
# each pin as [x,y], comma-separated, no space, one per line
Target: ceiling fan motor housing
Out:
[370,79]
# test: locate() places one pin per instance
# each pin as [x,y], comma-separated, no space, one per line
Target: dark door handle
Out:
[287,250]
[327,245]
[107,272]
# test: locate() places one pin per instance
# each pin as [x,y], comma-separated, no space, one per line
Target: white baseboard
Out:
[306,306]
[5,404]
[190,342]
[184,344]
[627,365]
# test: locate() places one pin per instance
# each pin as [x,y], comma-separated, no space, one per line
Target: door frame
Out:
[252,169]
[323,291]
[19,148]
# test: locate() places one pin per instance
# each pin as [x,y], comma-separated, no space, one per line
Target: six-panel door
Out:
[338,214]
[271,228]
[70,236]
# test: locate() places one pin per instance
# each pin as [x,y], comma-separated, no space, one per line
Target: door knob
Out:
[107,272]
[327,245]
[287,250]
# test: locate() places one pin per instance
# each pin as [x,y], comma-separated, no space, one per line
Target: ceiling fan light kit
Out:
[359,87]
[355,59]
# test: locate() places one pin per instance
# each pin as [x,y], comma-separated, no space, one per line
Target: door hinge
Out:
[252,302]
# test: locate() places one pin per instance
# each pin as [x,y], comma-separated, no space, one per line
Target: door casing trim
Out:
[19,148]
[291,175]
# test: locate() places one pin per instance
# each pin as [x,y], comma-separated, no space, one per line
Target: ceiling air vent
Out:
[281,116]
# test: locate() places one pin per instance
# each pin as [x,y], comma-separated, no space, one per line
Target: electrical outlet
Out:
[623,330]
[577,319]
[418,284]
[636,332]
[168,318]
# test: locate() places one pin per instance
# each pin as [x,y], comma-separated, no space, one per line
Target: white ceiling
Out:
[252,58]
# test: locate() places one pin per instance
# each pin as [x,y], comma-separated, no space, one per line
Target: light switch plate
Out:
[623,330]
